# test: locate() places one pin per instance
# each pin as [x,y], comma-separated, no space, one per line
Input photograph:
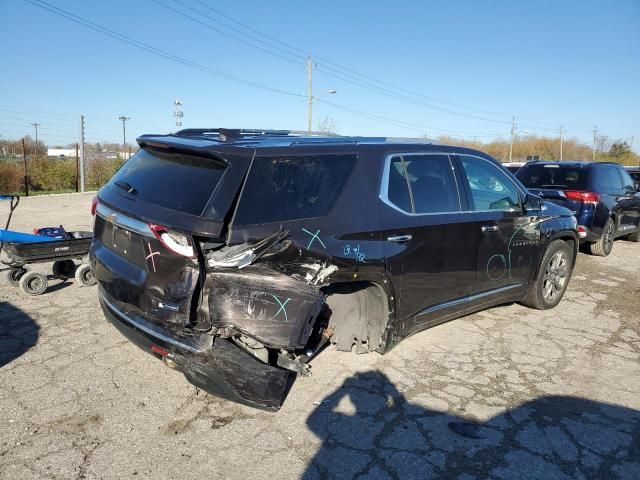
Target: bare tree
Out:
[328,125]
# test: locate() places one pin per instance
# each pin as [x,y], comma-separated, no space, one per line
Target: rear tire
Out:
[33,283]
[64,269]
[634,237]
[604,246]
[14,275]
[84,276]
[553,277]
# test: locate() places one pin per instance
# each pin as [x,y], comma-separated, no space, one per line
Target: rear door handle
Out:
[399,238]
[489,228]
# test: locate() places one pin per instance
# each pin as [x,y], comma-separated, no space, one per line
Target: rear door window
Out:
[292,187]
[170,180]
[608,180]
[553,177]
[423,183]
[491,188]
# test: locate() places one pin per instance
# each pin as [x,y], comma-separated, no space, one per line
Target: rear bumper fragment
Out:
[217,366]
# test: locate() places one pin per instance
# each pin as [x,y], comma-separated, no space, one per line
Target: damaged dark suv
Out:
[236,255]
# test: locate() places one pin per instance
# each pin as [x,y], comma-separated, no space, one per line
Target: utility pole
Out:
[26,171]
[178,113]
[513,133]
[124,118]
[36,125]
[310,94]
[77,167]
[595,137]
[561,139]
[82,153]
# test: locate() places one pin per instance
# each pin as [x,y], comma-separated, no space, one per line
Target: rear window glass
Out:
[290,188]
[174,181]
[558,177]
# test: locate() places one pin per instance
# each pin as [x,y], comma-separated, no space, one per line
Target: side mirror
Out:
[532,203]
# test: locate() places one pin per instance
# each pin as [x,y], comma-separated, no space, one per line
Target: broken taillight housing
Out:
[174,241]
[584,197]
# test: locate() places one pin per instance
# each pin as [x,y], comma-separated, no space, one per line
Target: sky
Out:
[404,68]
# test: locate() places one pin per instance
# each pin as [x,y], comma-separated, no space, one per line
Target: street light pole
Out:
[36,125]
[561,140]
[124,133]
[513,132]
[310,94]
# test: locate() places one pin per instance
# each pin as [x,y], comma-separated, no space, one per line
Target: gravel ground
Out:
[505,393]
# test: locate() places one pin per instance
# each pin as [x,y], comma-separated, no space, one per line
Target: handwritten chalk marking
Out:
[282,309]
[314,236]
[150,256]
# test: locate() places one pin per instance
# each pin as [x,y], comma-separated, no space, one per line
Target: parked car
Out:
[513,167]
[237,255]
[602,196]
[635,175]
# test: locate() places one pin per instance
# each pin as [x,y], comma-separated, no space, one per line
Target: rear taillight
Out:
[582,232]
[94,205]
[584,197]
[174,241]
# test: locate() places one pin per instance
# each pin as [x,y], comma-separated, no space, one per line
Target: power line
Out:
[150,49]
[156,51]
[402,123]
[186,15]
[340,69]
[333,72]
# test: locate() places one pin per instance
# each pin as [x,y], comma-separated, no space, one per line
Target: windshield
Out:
[559,177]
[170,180]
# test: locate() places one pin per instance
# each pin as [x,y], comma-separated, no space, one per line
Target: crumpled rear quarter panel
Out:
[270,306]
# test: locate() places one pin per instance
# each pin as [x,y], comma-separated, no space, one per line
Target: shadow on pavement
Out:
[369,430]
[18,333]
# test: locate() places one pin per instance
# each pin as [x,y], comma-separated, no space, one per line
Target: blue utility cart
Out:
[63,249]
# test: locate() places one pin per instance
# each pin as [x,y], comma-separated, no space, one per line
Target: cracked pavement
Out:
[506,393]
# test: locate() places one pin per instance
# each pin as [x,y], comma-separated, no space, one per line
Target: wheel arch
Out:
[361,315]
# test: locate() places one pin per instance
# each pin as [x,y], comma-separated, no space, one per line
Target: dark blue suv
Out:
[602,196]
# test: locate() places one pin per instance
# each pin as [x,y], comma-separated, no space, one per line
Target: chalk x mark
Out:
[314,236]
[282,308]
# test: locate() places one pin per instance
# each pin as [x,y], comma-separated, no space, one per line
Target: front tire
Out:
[84,276]
[33,283]
[603,247]
[553,277]
[13,275]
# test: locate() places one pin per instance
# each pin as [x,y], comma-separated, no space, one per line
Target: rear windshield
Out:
[558,177]
[170,180]
[291,188]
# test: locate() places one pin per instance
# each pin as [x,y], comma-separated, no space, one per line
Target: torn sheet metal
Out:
[270,306]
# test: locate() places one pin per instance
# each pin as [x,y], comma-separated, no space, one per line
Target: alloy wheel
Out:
[555,276]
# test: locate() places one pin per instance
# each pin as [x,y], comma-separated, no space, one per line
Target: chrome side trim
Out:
[123,221]
[148,328]
[461,301]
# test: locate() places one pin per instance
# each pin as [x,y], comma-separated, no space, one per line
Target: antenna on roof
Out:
[178,113]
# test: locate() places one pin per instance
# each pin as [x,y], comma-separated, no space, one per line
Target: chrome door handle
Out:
[399,238]
[489,228]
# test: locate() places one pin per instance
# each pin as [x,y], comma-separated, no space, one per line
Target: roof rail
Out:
[229,134]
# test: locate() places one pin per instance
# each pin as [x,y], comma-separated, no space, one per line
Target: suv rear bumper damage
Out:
[216,365]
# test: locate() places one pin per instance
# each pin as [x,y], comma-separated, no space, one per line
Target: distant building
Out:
[61,152]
